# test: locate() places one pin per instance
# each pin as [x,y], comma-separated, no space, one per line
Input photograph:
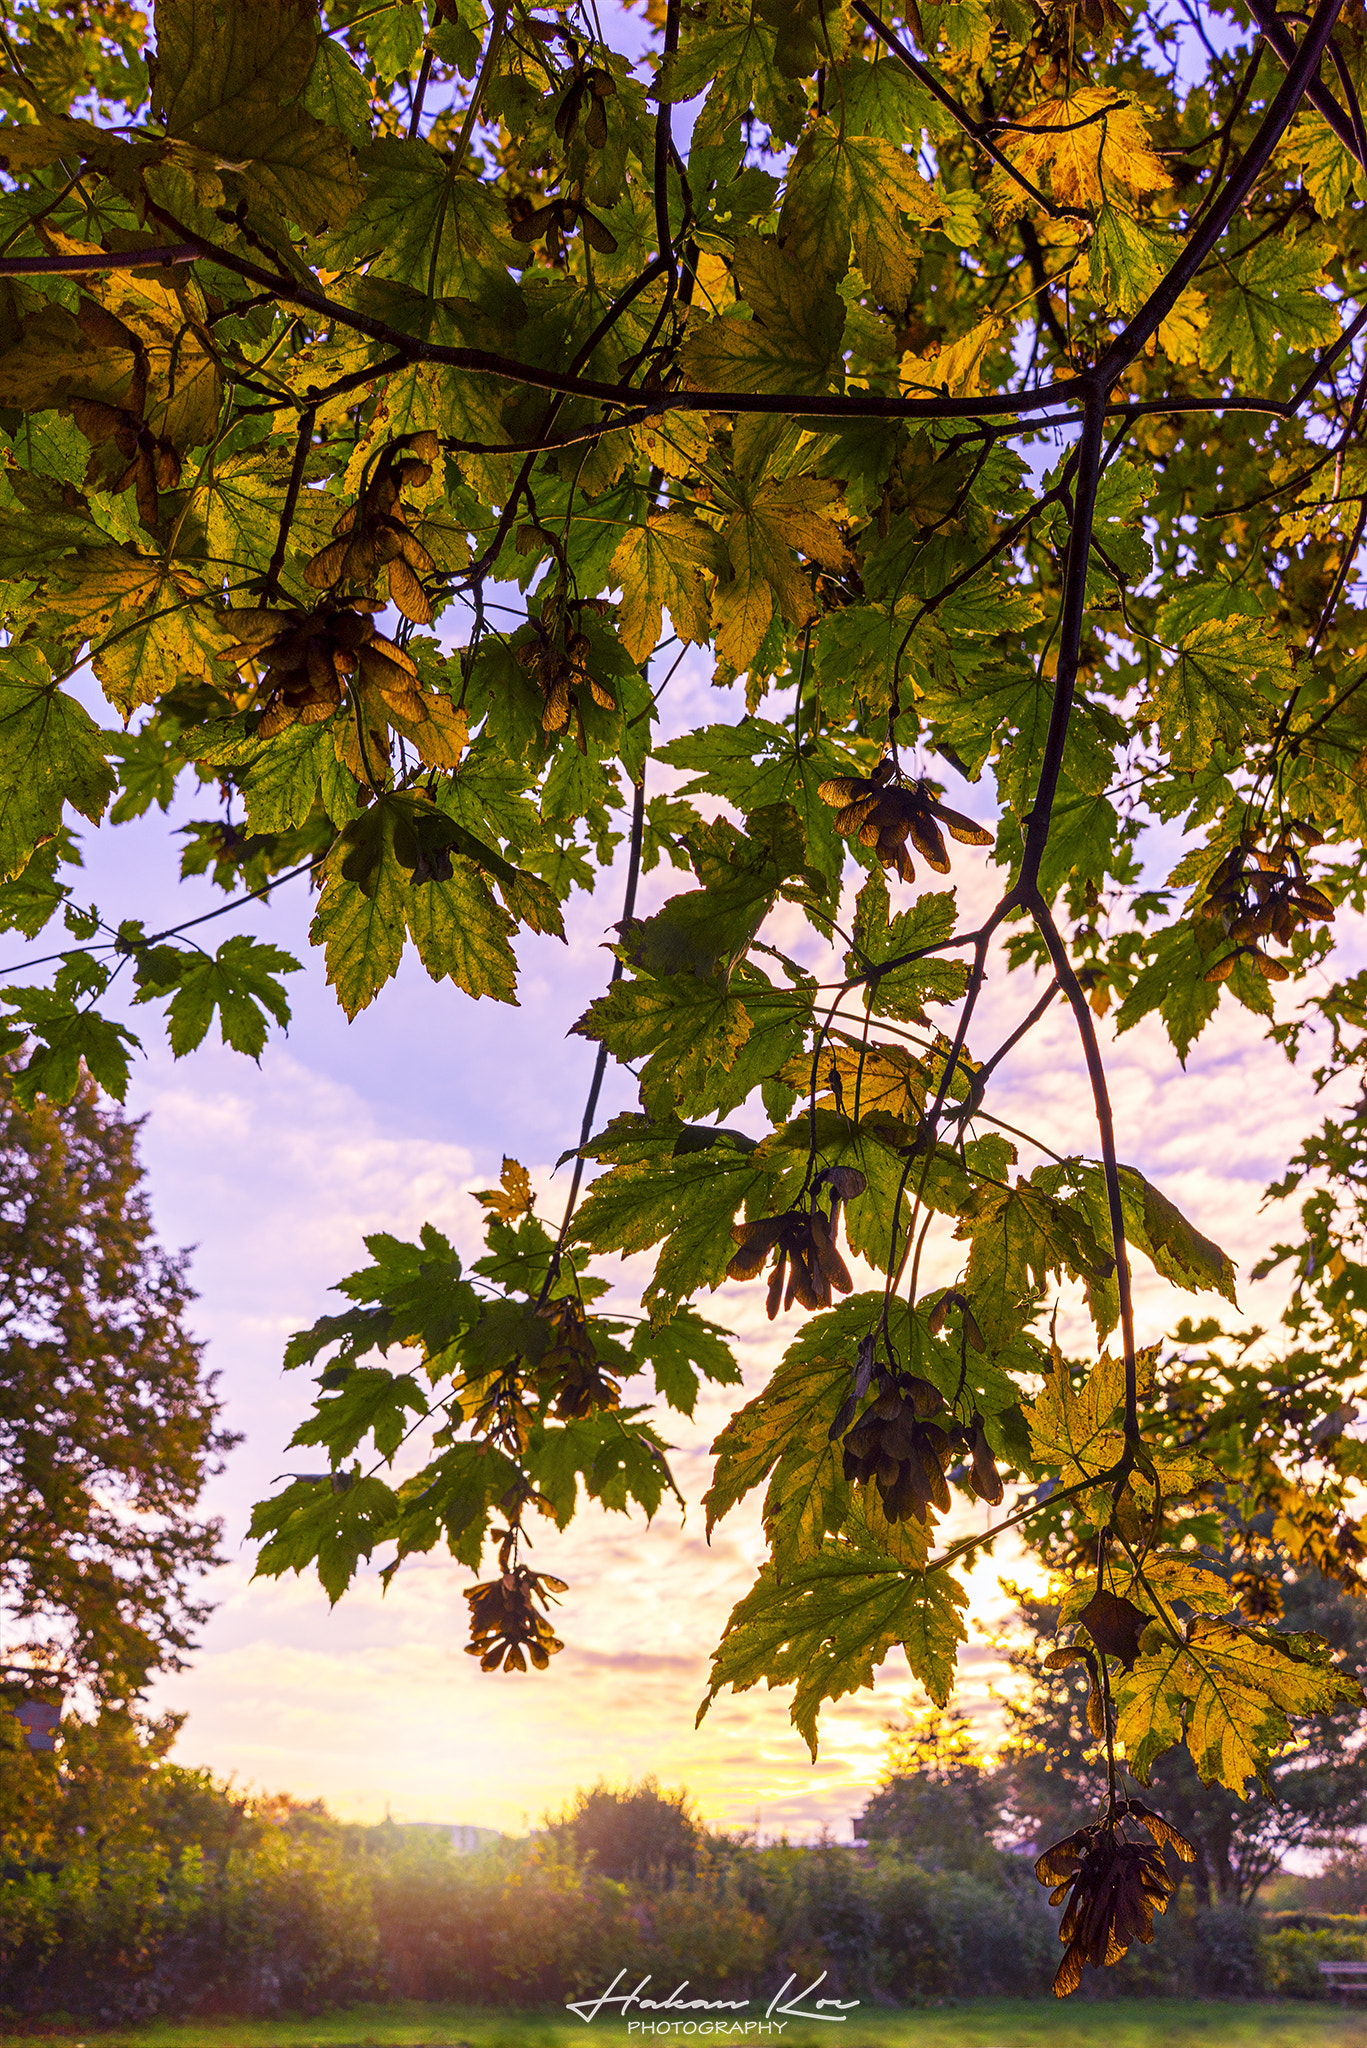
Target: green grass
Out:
[977,2023]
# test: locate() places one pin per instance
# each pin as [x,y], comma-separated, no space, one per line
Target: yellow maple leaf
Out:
[1090,144]
[957,369]
[514,1197]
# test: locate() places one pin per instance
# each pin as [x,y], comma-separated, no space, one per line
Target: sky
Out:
[274,1174]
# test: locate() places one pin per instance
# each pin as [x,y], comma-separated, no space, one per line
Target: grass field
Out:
[980,2023]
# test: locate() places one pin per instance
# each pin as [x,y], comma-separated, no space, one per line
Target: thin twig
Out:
[271,583]
[638,812]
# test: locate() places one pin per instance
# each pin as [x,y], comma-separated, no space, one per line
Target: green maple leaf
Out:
[686,1204]
[682,1352]
[371,1402]
[617,1460]
[843,187]
[1020,1235]
[362,929]
[68,1037]
[229,77]
[902,990]
[203,75]
[51,751]
[292,771]
[1208,696]
[754,765]
[830,1622]
[1126,260]
[32,539]
[310,1525]
[33,895]
[371,898]
[687,1029]
[451,1502]
[789,1424]
[790,342]
[1174,984]
[1266,304]
[426,224]
[335,92]
[1178,1250]
[885,100]
[394,38]
[239,982]
[784,1437]
[462,934]
[738,64]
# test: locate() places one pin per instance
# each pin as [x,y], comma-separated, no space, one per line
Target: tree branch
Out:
[116,259]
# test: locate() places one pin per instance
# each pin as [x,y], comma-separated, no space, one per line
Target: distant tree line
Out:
[148,1889]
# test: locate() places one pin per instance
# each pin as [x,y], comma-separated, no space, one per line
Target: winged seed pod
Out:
[557,217]
[1258,893]
[905,1455]
[987,1480]
[586,95]
[882,812]
[571,1369]
[504,1622]
[797,1238]
[373,533]
[556,658]
[1113,1888]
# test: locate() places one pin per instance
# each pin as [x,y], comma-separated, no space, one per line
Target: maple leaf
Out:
[789,342]
[1230,1692]
[1019,1236]
[69,1037]
[828,1624]
[845,187]
[955,370]
[1177,1248]
[1091,144]
[737,62]
[765,523]
[52,754]
[686,1028]
[1267,304]
[513,1197]
[684,1200]
[785,1433]
[240,982]
[1209,696]
[240,94]
[1074,1428]
[424,224]
[666,564]
[681,1353]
